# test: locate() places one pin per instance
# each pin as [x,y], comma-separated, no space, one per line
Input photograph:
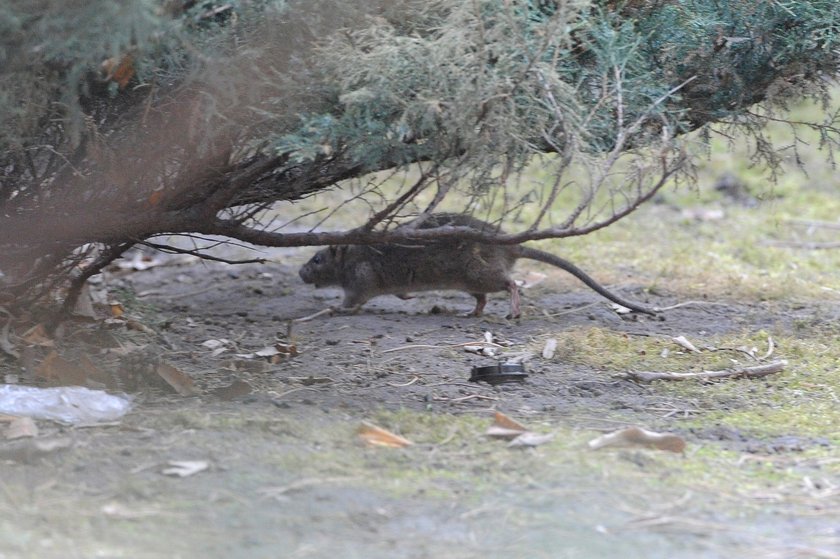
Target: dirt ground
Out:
[287,475]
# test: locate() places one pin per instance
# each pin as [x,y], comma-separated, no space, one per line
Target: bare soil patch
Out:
[287,476]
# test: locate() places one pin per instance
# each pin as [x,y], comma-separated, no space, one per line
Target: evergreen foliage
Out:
[123,120]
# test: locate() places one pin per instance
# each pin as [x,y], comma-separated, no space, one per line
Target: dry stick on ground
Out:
[691,303]
[814,223]
[751,372]
[807,245]
[328,310]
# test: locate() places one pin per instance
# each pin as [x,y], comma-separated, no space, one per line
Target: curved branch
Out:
[236,230]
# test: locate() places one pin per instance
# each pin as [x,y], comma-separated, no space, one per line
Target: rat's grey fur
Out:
[367,271]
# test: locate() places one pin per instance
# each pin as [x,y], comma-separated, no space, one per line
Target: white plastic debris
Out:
[67,404]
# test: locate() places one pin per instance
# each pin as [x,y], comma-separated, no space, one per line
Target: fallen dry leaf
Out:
[377,436]
[504,421]
[56,371]
[236,389]
[529,439]
[502,432]
[37,335]
[506,428]
[28,451]
[184,468]
[117,310]
[138,326]
[96,374]
[636,436]
[21,427]
[84,304]
[177,379]
[119,70]
[287,349]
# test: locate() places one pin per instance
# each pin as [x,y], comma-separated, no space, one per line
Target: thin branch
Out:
[236,230]
[198,252]
[400,201]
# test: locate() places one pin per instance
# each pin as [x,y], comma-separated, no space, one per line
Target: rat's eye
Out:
[316,259]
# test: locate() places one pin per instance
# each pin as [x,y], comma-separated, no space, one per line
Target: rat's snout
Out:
[320,270]
[305,274]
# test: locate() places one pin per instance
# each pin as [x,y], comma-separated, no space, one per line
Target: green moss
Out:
[613,351]
[817,419]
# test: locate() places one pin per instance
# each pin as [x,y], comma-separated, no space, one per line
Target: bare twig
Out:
[200,254]
[747,372]
[807,245]
[399,385]
[815,223]
[692,303]
[327,311]
[771,346]
[464,398]
[447,346]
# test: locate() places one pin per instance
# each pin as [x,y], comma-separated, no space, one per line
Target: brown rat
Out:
[367,271]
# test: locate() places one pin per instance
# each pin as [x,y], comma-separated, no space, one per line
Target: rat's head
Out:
[323,268]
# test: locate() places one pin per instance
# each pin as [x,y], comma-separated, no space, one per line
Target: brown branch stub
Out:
[756,371]
[107,256]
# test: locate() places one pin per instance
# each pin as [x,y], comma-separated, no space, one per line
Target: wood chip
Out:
[683,342]
[549,348]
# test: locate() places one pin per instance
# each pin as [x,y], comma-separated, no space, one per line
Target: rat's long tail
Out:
[548,258]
